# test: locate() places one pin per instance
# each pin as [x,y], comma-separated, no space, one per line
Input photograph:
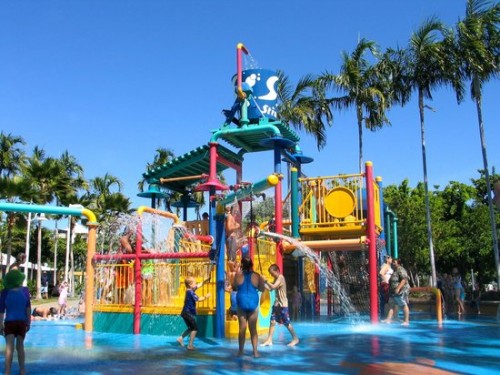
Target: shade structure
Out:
[215,183]
[279,141]
[303,159]
[180,204]
[153,192]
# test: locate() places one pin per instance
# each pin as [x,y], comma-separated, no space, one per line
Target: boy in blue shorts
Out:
[280,308]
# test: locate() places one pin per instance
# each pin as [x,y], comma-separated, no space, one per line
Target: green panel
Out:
[113,322]
[151,324]
[173,325]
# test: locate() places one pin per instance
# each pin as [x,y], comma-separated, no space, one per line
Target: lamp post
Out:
[56,240]
[69,242]
[39,219]
[27,250]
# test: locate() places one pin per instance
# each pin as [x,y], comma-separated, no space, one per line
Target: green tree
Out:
[162,156]
[12,187]
[360,86]
[478,50]
[425,62]
[49,181]
[75,173]
[408,204]
[12,156]
[304,106]
[105,197]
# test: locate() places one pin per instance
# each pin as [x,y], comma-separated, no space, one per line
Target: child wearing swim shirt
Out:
[188,313]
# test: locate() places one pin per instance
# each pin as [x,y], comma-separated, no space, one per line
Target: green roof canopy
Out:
[192,163]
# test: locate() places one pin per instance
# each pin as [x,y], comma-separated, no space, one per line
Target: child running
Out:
[189,310]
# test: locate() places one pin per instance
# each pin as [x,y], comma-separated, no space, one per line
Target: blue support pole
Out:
[383,251]
[220,307]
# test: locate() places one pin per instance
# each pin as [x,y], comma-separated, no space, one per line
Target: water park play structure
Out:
[331,240]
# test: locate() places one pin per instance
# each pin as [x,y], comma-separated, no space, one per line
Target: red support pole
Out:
[372,241]
[278,206]
[138,280]
[213,162]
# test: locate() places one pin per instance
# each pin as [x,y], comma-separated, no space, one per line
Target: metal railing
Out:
[162,283]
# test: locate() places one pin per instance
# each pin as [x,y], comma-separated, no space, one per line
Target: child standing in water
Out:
[15,308]
[189,310]
[63,298]
[280,312]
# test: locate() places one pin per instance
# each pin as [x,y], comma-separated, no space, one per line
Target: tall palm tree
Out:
[478,50]
[75,173]
[359,84]
[426,71]
[12,156]
[48,180]
[74,170]
[12,187]
[304,106]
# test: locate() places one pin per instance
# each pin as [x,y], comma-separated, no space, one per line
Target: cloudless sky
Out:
[112,81]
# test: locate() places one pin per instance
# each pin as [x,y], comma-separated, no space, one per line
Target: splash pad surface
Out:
[471,346]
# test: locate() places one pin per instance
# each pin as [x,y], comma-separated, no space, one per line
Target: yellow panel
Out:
[340,202]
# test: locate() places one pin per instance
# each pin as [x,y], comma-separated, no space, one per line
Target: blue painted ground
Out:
[465,347]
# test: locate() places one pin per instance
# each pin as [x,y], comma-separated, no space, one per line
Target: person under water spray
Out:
[280,309]
[231,227]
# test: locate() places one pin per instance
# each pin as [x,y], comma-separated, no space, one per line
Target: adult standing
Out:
[231,226]
[400,292]
[280,312]
[15,307]
[44,290]
[247,284]
[385,275]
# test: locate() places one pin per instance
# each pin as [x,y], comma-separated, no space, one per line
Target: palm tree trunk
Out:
[487,178]
[426,187]
[359,115]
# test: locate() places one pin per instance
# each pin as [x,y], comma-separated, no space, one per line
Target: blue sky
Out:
[112,81]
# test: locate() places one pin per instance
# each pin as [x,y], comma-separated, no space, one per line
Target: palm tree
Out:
[12,157]
[75,172]
[48,180]
[162,156]
[360,86]
[478,50]
[12,187]
[425,61]
[104,201]
[304,106]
